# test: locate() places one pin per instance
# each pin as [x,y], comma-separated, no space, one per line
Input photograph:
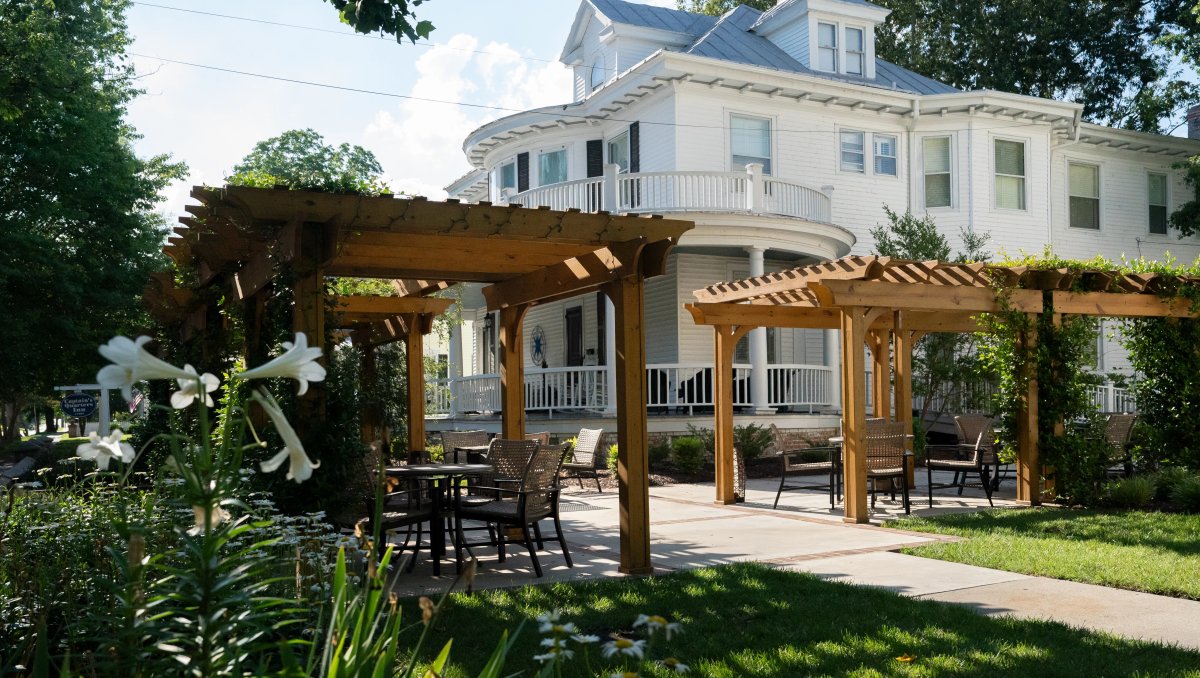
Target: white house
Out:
[783,137]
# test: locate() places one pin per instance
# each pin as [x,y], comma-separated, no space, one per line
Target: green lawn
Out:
[1137,550]
[751,620]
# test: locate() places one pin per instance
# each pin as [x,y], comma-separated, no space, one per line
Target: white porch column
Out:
[454,365]
[833,360]
[759,395]
[610,357]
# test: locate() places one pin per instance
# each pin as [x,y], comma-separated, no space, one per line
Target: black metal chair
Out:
[535,499]
[887,458]
[975,453]
[807,453]
[585,458]
[404,509]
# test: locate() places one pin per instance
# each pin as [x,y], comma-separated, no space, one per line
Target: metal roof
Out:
[661,18]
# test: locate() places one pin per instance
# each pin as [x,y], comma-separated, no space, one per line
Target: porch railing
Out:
[1110,398]
[750,191]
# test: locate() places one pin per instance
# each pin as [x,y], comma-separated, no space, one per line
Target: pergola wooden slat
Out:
[530,256]
[887,304]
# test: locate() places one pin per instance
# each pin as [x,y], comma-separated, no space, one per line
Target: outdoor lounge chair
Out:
[584,458]
[887,458]
[1117,431]
[975,453]
[806,453]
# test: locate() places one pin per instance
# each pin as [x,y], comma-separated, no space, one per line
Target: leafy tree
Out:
[394,17]
[719,7]
[76,203]
[943,364]
[302,160]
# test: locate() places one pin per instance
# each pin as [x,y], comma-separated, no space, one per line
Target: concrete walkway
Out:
[688,531]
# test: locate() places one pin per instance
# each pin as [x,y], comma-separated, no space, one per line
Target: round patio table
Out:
[440,478]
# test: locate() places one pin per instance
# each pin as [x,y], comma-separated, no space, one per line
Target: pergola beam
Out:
[375,307]
[921,297]
[574,276]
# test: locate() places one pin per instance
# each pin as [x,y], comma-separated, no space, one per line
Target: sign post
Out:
[80,405]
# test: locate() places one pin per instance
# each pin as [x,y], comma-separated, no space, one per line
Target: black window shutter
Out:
[595,157]
[522,172]
[635,147]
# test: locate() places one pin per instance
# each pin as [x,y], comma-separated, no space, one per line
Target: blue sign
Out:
[78,405]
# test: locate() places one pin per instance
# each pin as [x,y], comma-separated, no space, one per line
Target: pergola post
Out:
[878,341]
[725,338]
[414,355]
[854,415]
[633,465]
[370,419]
[904,339]
[308,312]
[1029,470]
[512,373]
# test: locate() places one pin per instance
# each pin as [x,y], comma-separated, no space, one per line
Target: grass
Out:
[751,620]
[1136,550]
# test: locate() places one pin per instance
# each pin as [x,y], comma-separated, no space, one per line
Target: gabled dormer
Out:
[828,36]
[608,37]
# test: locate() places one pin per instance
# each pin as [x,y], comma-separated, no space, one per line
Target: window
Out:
[827,47]
[936,152]
[1010,174]
[598,73]
[618,151]
[1084,191]
[552,167]
[508,176]
[885,154]
[853,152]
[750,142]
[856,55]
[1157,190]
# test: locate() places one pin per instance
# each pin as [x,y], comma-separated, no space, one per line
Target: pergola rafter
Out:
[237,236]
[887,304]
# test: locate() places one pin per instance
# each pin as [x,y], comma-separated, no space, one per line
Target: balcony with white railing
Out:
[671,389]
[749,192]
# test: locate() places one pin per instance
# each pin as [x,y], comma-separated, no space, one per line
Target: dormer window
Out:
[827,47]
[597,78]
[856,52]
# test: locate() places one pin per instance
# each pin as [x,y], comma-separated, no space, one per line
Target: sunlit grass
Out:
[751,620]
[1136,550]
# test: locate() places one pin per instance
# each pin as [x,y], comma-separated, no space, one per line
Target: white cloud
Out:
[419,143]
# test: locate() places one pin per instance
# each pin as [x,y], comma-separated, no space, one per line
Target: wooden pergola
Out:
[887,304]
[237,236]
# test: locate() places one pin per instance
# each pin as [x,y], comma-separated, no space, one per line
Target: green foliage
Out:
[688,454]
[1186,495]
[659,452]
[80,235]
[301,160]
[394,17]
[704,435]
[1165,352]
[1167,479]
[1128,493]
[610,460]
[751,440]
[719,7]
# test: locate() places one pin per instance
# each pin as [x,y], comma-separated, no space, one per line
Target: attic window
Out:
[827,47]
[856,52]
[597,77]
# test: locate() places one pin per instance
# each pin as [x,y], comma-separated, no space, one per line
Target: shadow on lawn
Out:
[1168,531]
[749,619]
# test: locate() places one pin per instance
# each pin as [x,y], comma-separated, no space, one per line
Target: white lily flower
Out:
[298,362]
[301,467]
[218,516]
[189,388]
[131,364]
[104,449]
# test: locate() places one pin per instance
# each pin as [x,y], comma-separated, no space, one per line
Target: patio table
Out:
[475,454]
[440,478]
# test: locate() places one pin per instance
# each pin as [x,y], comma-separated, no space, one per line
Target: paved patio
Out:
[688,531]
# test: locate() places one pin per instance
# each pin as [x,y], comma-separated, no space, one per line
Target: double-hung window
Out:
[936,154]
[885,154]
[508,176]
[552,167]
[1157,193]
[1010,174]
[618,151]
[856,52]
[598,73]
[1084,191]
[827,47]
[853,151]
[750,142]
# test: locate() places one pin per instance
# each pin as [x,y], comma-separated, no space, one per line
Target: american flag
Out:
[136,402]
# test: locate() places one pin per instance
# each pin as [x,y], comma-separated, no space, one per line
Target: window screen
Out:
[1010,174]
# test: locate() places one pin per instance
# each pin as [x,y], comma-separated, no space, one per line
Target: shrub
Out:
[1167,479]
[1186,495]
[688,454]
[612,459]
[1129,492]
[704,435]
[436,453]
[660,452]
[752,440]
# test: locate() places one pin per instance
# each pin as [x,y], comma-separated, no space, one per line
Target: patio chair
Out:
[543,437]
[405,509]
[534,500]
[887,458]
[584,458]
[975,453]
[1118,429]
[451,440]
[806,453]
[508,459]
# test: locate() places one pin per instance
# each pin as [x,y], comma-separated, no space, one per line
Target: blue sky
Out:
[484,52]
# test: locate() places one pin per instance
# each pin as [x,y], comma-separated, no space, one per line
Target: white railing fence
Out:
[1110,398]
[750,191]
